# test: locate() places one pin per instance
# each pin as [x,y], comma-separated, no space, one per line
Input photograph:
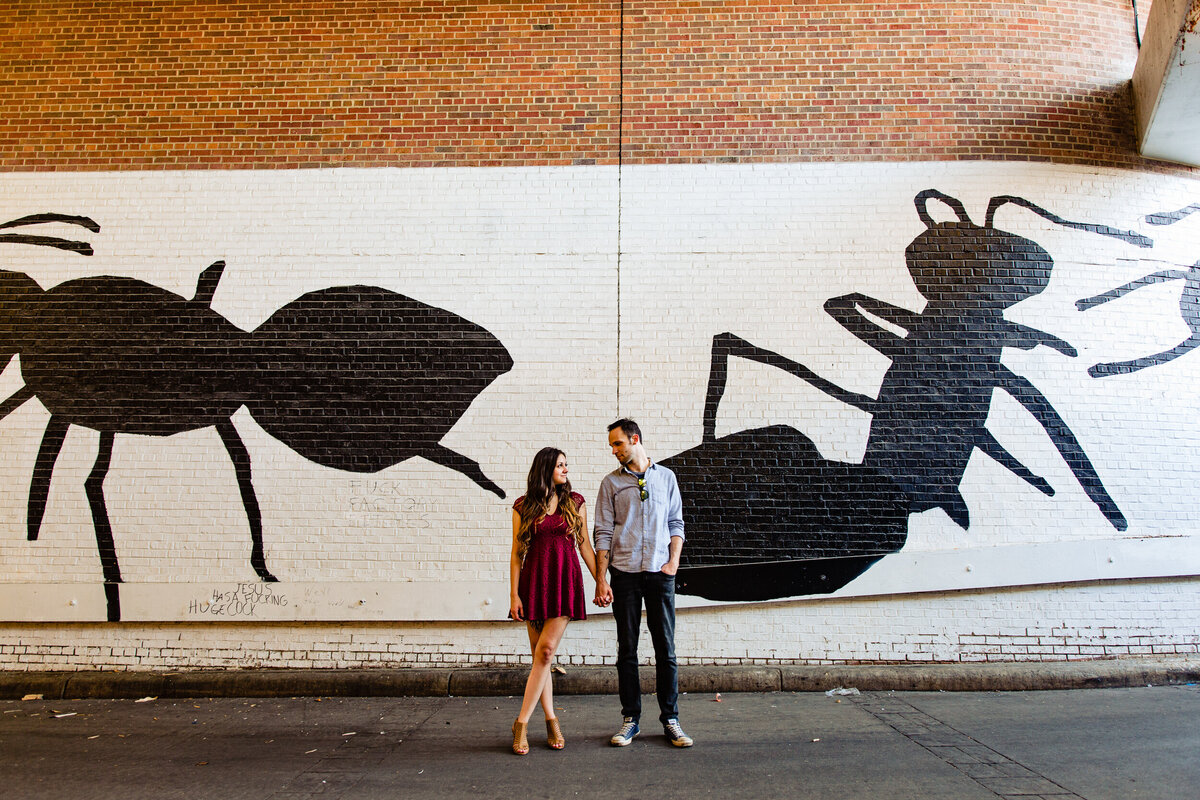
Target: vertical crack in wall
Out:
[620,170]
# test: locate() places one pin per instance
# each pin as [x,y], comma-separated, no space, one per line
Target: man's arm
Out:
[602,536]
[676,548]
[602,532]
[675,511]
[675,527]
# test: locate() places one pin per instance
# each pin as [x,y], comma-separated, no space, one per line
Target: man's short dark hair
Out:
[628,427]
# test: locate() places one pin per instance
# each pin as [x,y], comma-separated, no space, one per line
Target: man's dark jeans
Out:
[657,591]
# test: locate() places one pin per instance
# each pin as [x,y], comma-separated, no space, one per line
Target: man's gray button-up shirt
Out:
[637,533]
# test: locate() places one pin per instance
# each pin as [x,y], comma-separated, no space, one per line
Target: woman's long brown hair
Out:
[539,488]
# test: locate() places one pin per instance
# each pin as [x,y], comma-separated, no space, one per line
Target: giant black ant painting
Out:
[769,517]
[357,378]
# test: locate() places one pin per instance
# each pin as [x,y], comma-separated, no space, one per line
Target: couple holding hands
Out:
[638,539]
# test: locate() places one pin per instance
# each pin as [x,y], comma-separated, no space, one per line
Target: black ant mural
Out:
[769,517]
[357,378]
[1189,305]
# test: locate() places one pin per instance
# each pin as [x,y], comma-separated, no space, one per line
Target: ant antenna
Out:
[1126,236]
[1169,217]
[922,200]
[50,241]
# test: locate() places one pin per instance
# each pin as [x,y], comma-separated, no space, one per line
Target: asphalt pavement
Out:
[1118,743]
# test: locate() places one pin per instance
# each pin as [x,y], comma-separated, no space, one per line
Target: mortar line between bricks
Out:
[1002,785]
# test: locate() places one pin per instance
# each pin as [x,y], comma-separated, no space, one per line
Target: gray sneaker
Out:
[629,729]
[674,732]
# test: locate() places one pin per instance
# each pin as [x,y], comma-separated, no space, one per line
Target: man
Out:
[638,537]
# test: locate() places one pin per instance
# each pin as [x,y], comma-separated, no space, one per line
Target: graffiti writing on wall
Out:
[246,600]
[373,497]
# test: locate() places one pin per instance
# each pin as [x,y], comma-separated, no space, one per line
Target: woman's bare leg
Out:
[543,645]
[548,693]
[547,698]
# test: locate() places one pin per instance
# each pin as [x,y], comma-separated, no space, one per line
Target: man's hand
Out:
[672,565]
[604,595]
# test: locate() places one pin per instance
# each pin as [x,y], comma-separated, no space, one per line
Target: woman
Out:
[546,583]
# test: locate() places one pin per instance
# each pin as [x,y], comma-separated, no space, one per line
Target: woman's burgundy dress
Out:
[551,581]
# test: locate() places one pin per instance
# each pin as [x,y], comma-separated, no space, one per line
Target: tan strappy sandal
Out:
[520,742]
[554,734]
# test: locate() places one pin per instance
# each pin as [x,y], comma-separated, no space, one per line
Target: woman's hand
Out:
[604,593]
[516,610]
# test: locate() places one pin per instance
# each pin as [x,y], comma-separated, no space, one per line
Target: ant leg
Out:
[854,311]
[461,464]
[1123,367]
[991,447]
[43,468]
[1189,309]
[718,371]
[1171,217]
[22,395]
[105,546]
[1012,334]
[240,457]
[1121,291]
[1028,395]
[727,344]
[949,500]
[206,286]
[956,508]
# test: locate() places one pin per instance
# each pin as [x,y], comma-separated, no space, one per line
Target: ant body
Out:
[769,517]
[357,378]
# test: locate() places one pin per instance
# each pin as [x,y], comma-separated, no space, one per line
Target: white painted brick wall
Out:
[532,255]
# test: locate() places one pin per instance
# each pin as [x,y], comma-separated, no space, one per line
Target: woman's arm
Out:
[597,562]
[585,547]
[514,572]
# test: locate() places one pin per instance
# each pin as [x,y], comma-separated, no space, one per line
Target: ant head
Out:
[15,287]
[16,290]
[961,262]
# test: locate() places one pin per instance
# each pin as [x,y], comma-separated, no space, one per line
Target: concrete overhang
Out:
[1166,83]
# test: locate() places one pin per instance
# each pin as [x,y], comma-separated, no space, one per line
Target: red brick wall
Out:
[152,85]
[149,85]
[981,79]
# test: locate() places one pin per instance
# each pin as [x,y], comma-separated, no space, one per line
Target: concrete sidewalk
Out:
[480,682]
[1104,744]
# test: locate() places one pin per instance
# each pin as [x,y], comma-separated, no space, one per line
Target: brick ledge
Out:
[490,681]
